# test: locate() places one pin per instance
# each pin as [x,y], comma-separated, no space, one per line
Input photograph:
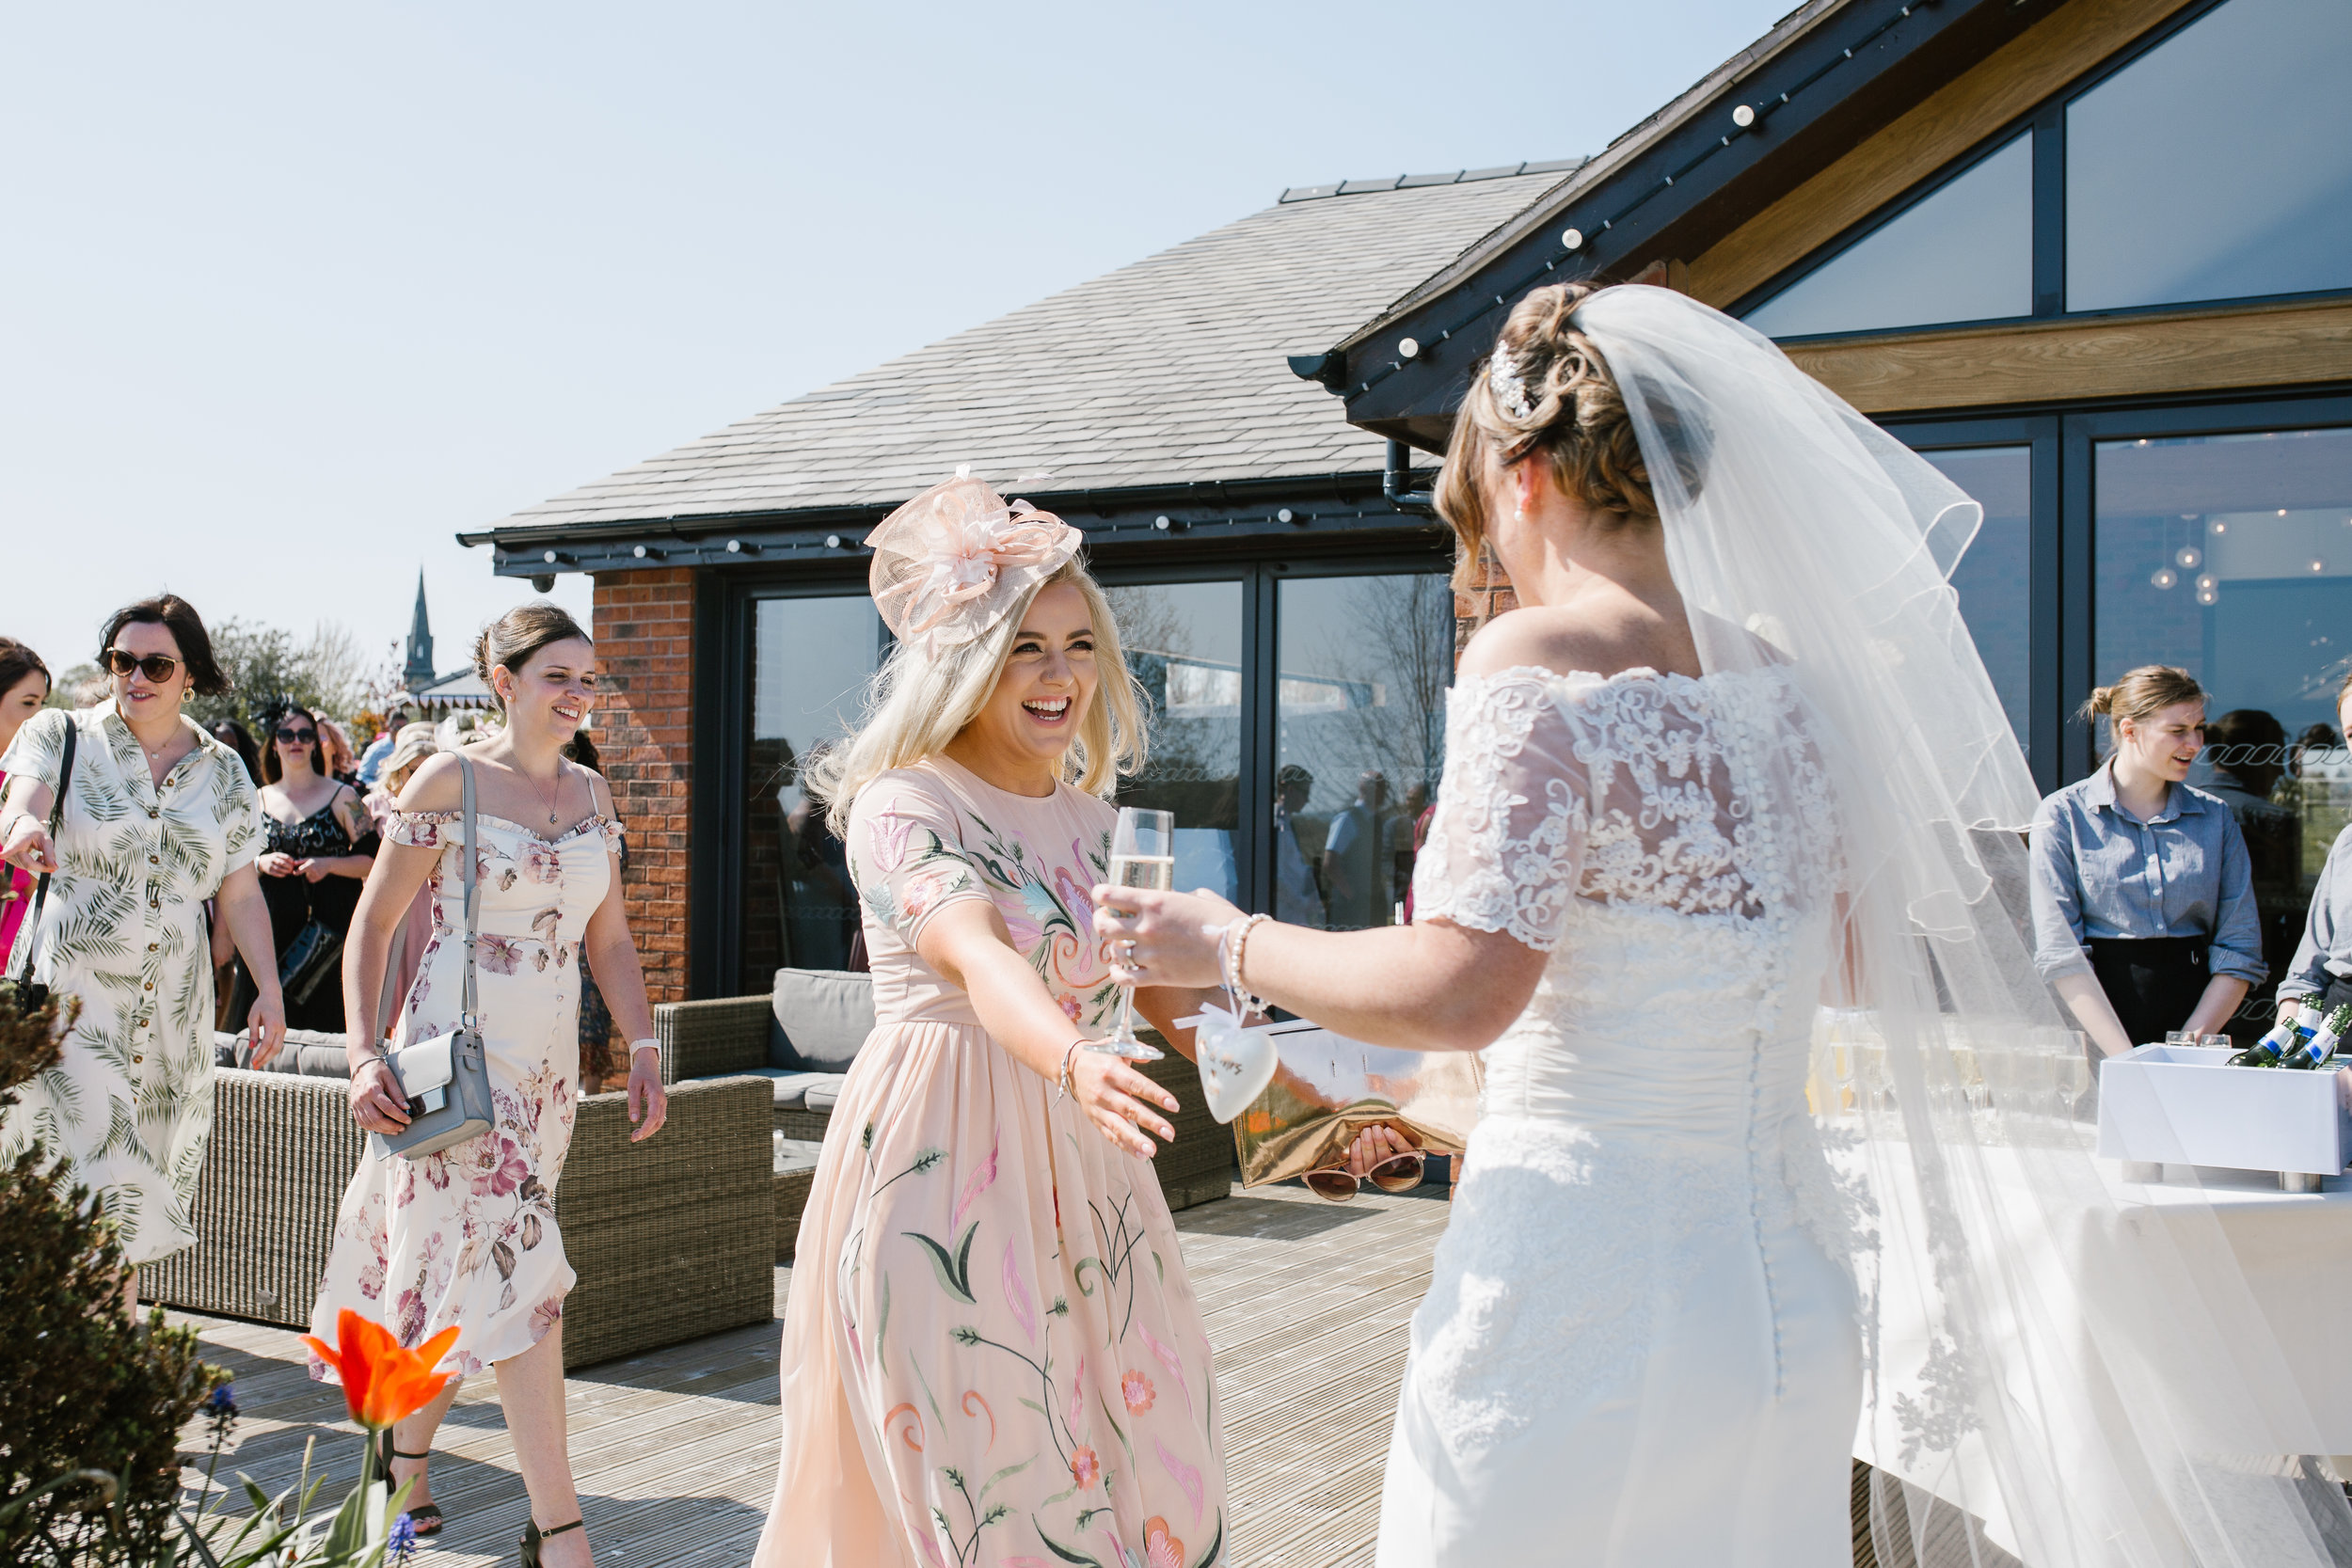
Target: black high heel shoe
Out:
[533,1535]
[425,1518]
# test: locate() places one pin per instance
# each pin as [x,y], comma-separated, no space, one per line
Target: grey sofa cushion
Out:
[821,1016]
[792,1087]
[311,1053]
[824,1097]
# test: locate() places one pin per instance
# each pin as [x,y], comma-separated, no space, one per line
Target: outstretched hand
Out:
[1119,1100]
[1162,939]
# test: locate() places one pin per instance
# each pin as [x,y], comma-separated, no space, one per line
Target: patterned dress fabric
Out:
[16,897]
[1639,1345]
[131,1103]
[468,1236]
[992,1355]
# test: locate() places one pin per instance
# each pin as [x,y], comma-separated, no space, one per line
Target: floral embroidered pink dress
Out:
[468,1236]
[992,1355]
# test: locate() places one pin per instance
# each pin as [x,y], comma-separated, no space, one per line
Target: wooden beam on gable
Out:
[2050,362]
[1941,126]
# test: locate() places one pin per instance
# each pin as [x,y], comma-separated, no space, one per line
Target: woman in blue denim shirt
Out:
[2143,891]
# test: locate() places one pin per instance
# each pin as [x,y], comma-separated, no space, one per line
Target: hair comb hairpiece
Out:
[1508,386]
[955,561]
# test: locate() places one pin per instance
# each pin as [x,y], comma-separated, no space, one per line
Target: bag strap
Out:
[31,926]
[465,765]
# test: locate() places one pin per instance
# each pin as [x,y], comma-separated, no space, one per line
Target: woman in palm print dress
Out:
[993,1355]
[159,818]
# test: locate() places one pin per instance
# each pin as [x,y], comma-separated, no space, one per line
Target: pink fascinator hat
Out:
[955,561]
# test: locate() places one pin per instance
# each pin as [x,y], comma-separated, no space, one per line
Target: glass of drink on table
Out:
[1143,854]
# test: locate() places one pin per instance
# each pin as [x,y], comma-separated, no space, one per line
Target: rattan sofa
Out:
[672,1238]
[733,1034]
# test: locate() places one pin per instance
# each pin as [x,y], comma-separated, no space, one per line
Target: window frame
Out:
[2046,122]
[2063,605]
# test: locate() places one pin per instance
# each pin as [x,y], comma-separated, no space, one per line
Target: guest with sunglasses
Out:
[158,818]
[318,842]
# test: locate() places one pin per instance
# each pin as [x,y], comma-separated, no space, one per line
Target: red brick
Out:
[644,630]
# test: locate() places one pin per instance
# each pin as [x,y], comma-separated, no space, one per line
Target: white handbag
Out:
[445,1077]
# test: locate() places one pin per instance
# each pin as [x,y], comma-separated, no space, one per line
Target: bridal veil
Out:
[2060,1366]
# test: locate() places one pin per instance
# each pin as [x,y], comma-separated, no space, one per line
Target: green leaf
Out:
[989,1485]
[1217,1543]
[1060,1550]
[954,1272]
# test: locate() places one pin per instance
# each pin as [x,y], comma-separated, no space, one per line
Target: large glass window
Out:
[2216,165]
[1184,645]
[811,659]
[2232,557]
[1964,253]
[1995,577]
[1364,665]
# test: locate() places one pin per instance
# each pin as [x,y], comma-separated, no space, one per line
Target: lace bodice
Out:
[1672,843]
[1697,795]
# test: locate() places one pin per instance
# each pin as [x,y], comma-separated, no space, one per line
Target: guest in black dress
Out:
[317,845]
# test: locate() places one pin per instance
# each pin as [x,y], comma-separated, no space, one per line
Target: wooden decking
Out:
[675,1452]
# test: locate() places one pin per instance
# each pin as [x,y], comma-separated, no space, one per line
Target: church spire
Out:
[419,671]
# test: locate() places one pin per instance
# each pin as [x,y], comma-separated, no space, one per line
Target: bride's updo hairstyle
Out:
[1543,390]
[522,631]
[924,696]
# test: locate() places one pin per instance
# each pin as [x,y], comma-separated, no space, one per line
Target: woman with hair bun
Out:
[2143,893]
[467,1238]
[995,1355]
[158,818]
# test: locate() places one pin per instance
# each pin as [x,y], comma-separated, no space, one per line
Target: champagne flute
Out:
[1143,854]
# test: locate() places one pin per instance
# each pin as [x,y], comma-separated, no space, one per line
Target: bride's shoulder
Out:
[1536,645]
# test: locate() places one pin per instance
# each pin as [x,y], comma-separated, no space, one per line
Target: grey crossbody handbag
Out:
[445,1077]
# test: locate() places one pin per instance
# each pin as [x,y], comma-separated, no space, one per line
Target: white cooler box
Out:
[2185,1105]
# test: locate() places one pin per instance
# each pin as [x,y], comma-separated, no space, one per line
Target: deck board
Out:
[1306,1306]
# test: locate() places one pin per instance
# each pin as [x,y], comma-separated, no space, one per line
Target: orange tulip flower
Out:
[383,1381]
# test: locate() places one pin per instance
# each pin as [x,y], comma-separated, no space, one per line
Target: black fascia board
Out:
[1299,511]
[1858,68]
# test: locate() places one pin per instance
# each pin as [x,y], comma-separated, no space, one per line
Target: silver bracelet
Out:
[1062,1087]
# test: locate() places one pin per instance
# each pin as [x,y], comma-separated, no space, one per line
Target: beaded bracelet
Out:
[1232,948]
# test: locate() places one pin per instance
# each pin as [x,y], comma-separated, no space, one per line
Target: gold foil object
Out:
[1329,1088]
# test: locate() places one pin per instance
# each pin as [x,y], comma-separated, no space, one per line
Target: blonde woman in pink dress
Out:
[992,1355]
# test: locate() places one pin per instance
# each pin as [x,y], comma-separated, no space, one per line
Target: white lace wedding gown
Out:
[1640,1345]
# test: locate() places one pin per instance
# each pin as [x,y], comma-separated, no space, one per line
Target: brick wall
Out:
[644,631]
[1489,594]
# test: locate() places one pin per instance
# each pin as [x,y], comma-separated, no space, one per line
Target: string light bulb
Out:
[2162,577]
[2187,557]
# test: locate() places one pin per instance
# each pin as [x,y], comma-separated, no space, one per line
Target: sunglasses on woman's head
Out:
[158,668]
[298,738]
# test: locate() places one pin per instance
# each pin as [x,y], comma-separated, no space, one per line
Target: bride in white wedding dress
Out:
[1736,762]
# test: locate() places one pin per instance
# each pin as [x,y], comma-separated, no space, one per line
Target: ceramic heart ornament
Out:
[1236,1064]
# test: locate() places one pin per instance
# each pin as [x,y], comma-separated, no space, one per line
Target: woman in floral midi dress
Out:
[992,1352]
[467,1238]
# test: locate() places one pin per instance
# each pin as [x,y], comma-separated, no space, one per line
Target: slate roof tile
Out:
[1167,370]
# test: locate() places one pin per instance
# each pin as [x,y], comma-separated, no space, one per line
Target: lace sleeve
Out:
[1506,847]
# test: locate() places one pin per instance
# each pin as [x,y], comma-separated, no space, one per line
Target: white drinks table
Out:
[2293,1397]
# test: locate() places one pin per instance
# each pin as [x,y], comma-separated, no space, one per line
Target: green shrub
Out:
[91,1401]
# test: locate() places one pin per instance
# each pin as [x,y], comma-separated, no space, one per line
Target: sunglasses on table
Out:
[1398,1173]
[158,668]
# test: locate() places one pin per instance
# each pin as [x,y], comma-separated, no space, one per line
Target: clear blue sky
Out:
[293,293]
